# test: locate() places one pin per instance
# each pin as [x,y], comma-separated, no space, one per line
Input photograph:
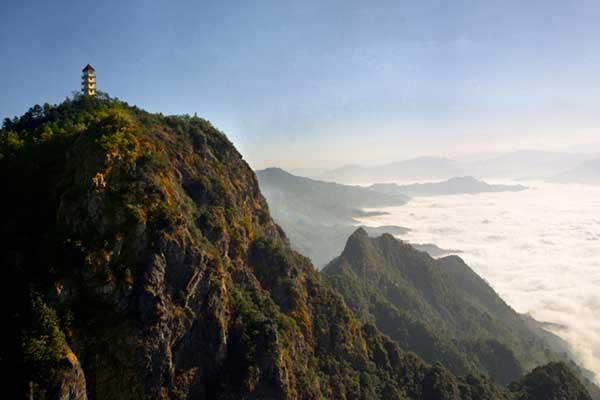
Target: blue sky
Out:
[322,83]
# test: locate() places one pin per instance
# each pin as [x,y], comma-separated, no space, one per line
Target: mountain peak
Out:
[273,171]
[360,232]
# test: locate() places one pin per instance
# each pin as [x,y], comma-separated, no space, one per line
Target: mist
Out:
[539,249]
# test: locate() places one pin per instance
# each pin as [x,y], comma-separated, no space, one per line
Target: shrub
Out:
[44,344]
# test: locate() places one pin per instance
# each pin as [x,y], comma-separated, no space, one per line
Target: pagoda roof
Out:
[88,68]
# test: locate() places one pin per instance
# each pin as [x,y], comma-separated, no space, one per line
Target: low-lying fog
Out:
[539,249]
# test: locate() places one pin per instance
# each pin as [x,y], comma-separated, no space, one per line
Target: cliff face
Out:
[140,261]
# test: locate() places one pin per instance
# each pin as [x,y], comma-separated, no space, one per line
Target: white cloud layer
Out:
[539,249]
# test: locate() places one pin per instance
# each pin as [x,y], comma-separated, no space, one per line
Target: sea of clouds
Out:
[539,249]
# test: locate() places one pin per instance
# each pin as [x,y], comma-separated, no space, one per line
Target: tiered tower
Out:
[88,81]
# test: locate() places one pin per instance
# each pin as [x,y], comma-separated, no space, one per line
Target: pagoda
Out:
[88,81]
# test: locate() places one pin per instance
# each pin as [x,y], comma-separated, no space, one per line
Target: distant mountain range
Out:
[413,169]
[456,185]
[432,249]
[319,216]
[326,201]
[587,172]
[524,164]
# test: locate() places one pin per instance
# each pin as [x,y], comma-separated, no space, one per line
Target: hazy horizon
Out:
[591,149]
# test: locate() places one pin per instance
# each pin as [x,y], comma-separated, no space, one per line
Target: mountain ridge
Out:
[517,164]
[454,185]
[440,309]
[587,172]
[425,167]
